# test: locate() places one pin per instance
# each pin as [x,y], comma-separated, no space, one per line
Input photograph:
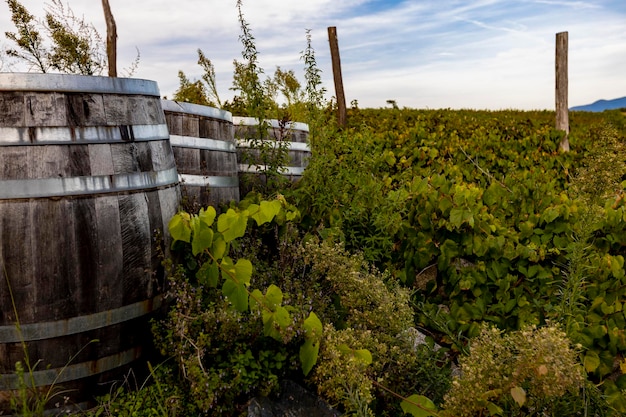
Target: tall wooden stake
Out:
[341,98]
[562,111]
[111,38]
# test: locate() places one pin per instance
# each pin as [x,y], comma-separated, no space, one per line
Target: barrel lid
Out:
[27,81]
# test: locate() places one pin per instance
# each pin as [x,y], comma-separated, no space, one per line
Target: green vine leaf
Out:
[207,216]
[309,351]
[232,225]
[418,406]
[313,327]
[237,294]
[236,280]
[265,212]
[274,322]
[218,249]
[202,238]
[208,274]
[179,227]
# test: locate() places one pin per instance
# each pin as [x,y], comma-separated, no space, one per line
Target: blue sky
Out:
[482,54]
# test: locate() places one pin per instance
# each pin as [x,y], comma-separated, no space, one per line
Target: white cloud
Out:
[431,53]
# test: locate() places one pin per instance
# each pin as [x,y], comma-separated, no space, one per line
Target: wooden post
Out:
[562,111]
[111,38]
[341,98]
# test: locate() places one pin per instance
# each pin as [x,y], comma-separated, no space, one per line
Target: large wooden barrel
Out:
[294,135]
[204,149]
[87,175]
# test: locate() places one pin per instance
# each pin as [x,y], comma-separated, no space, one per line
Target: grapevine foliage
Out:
[212,236]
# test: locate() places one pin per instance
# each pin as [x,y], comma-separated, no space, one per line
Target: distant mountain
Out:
[602,105]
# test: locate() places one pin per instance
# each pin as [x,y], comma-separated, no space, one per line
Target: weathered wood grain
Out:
[69,257]
[203,122]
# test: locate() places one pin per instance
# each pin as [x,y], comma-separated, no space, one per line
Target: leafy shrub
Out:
[367,351]
[517,373]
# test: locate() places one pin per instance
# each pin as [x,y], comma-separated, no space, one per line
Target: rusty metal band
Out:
[209,181]
[50,329]
[73,186]
[202,143]
[252,121]
[258,169]
[72,372]
[292,146]
[11,136]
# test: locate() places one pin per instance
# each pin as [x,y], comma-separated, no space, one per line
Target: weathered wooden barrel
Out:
[205,152]
[293,135]
[87,175]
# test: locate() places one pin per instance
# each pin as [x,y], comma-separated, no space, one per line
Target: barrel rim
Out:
[72,83]
[196,109]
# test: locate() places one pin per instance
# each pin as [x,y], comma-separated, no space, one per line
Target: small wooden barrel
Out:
[250,162]
[205,152]
[87,175]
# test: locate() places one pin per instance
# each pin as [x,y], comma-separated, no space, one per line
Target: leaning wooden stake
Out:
[111,38]
[562,111]
[341,98]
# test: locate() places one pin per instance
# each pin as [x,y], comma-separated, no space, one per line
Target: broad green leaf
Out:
[313,327]
[519,395]
[232,225]
[494,410]
[459,216]
[275,322]
[179,227]
[266,211]
[591,361]
[256,300]
[308,355]
[418,406]
[273,297]
[218,250]
[550,214]
[243,272]
[202,239]
[208,274]
[237,294]
[291,215]
[207,216]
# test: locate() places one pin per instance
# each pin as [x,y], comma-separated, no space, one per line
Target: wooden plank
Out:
[116,110]
[162,155]
[54,260]
[45,109]
[49,161]
[124,156]
[12,109]
[188,161]
[79,164]
[136,244]
[562,110]
[191,125]
[100,159]
[108,276]
[13,162]
[336,63]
